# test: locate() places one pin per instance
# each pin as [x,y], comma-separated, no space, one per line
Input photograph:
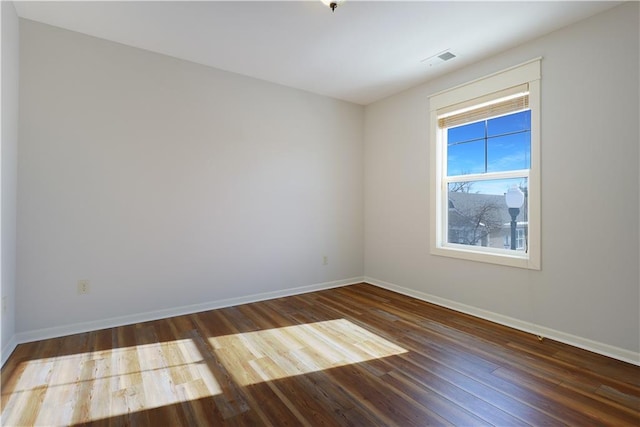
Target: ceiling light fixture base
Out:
[333,4]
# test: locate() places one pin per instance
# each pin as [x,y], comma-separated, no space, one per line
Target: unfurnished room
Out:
[318,212]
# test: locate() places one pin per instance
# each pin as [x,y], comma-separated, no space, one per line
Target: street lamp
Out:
[514,199]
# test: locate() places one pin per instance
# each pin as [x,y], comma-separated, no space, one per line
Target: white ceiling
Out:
[364,51]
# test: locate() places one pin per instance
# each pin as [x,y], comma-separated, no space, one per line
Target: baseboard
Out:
[576,341]
[8,349]
[580,342]
[59,331]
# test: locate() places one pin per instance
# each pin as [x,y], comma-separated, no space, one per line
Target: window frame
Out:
[526,73]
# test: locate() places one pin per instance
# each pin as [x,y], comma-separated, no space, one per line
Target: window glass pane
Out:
[465,133]
[478,214]
[520,236]
[465,158]
[516,122]
[510,152]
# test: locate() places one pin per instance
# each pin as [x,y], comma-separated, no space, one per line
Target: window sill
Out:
[519,260]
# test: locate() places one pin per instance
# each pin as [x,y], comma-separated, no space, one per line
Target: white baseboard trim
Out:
[76,328]
[8,349]
[580,342]
[576,341]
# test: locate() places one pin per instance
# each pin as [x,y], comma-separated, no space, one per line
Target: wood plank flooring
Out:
[352,356]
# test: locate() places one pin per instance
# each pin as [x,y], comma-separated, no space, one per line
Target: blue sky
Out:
[506,141]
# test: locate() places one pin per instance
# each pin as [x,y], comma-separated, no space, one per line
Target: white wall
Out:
[588,288]
[167,183]
[10,78]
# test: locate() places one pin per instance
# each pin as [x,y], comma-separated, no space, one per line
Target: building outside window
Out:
[520,239]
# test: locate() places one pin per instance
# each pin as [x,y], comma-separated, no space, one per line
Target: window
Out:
[484,143]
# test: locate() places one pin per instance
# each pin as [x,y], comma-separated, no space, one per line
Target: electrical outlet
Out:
[325,260]
[83,287]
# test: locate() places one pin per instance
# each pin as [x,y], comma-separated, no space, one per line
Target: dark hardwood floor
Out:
[357,355]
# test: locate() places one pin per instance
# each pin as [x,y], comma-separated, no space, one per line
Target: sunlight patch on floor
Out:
[254,357]
[89,386]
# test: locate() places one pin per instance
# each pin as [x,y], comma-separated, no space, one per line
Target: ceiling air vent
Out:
[439,58]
